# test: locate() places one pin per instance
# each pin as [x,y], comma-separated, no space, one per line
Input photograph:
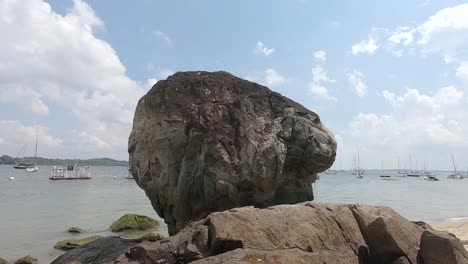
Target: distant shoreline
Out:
[7,160]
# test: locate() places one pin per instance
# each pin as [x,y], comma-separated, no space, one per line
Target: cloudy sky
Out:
[388,78]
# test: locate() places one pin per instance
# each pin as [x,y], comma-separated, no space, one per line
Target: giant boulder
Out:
[203,142]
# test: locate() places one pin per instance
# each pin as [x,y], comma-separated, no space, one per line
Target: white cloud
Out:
[427,126]
[53,59]
[402,36]
[446,31]
[356,79]
[462,72]
[368,46]
[273,78]
[26,98]
[320,56]
[163,36]
[263,50]
[317,86]
[15,135]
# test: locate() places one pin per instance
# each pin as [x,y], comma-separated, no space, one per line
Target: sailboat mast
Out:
[35,152]
[411,169]
[358,166]
[398,164]
[454,167]
[24,153]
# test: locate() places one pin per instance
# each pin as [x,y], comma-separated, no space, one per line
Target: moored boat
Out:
[431,178]
[72,172]
[455,175]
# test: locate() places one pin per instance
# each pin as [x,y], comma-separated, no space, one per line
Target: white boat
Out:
[456,175]
[72,172]
[359,174]
[33,167]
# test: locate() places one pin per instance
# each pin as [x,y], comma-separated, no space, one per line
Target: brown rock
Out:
[203,142]
[440,247]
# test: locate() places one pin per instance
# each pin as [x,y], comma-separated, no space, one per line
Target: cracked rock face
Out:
[204,142]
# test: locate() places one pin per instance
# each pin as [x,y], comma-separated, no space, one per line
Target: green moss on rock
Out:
[135,222]
[26,260]
[74,243]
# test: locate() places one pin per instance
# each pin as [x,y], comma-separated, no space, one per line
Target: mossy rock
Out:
[152,237]
[3,261]
[75,229]
[68,244]
[26,260]
[135,222]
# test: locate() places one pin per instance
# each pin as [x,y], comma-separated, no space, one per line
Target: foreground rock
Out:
[438,247]
[302,233]
[459,228]
[74,243]
[101,251]
[3,261]
[204,142]
[75,229]
[133,222]
[26,260]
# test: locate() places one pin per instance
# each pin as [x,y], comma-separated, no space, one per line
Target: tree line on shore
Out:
[5,159]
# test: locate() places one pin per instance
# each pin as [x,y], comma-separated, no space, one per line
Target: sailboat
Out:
[33,167]
[21,165]
[383,175]
[400,173]
[411,173]
[455,174]
[358,168]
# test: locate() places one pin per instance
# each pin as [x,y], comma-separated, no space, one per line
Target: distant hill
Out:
[5,159]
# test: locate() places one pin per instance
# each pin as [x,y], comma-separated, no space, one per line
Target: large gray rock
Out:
[205,142]
[302,233]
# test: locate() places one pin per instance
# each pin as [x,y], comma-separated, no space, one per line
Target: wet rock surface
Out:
[101,251]
[204,142]
[68,244]
[26,260]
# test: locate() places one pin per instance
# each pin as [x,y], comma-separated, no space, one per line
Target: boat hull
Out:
[69,178]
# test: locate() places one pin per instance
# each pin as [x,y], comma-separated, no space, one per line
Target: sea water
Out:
[35,212]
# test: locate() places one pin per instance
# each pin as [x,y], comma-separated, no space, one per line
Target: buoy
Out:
[12,178]
[115,177]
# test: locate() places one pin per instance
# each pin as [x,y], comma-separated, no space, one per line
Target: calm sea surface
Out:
[36,212]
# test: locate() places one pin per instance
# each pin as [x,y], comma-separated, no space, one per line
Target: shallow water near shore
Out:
[36,212]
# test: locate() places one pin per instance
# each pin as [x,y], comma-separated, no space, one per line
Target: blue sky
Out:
[388,78]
